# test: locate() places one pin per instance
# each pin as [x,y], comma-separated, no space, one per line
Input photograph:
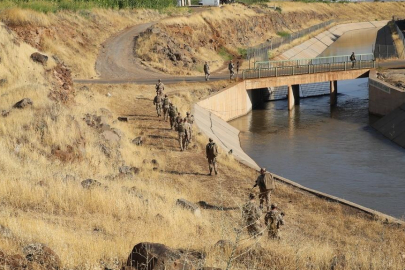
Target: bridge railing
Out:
[306,69]
[312,61]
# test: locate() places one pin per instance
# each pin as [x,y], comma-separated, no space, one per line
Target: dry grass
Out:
[42,199]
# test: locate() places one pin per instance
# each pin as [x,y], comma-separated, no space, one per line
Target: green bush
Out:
[283,33]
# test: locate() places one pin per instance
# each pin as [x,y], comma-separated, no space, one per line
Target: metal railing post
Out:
[360,64]
[345,66]
[309,69]
[276,69]
[330,69]
[292,70]
[259,73]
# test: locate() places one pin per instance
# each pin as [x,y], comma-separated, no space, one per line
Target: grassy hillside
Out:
[218,34]
[71,134]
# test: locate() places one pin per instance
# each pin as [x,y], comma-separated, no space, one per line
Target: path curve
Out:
[117,64]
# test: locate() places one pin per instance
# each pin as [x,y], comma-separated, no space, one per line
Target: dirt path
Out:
[117,64]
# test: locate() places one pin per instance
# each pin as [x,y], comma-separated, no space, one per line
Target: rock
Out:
[137,141]
[39,58]
[189,206]
[14,262]
[5,113]
[155,162]
[3,82]
[153,256]
[5,232]
[42,255]
[23,103]
[110,136]
[90,183]
[128,170]
[105,112]
[84,88]
[135,192]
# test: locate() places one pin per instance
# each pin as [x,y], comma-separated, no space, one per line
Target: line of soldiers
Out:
[251,213]
[184,126]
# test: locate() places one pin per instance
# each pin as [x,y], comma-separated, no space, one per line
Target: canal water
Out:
[333,150]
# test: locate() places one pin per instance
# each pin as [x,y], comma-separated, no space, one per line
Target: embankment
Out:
[316,45]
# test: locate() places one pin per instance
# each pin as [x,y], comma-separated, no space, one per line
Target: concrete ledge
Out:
[383,97]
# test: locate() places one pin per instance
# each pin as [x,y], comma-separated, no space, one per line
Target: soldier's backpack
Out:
[272,221]
[165,102]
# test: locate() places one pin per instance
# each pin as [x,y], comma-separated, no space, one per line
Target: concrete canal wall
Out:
[211,116]
[316,45]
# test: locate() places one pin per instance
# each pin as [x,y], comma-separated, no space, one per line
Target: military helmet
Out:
[262,169]
[273,205]
[251,196]
[210,139]
[165,95]
[159,80]
[188,113]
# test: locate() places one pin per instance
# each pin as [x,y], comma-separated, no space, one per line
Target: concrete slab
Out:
[386,119]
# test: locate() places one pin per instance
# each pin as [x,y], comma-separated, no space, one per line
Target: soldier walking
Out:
[211,151]
[207,71]
[251,215]
[266,184]
[190,120]
[273,220]
[182,134]
[160,87]
[187,129]
[166,105]
[231,66]
[158,102]
[177,120]
[172,115]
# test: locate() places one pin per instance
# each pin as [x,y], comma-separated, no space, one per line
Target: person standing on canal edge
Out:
[265,181]
[353,59]
[231,66]
[211,151]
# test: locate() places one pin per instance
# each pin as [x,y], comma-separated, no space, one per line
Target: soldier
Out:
[207,71]
[251,215]
[160,87]
[266,184]
[172,114]
[166,105]
[158,102]
[353,59]
[237,67]
[177,120]
[273,220]
[231,72]
[211,150]
[190,120]
[182,134]
[187,127]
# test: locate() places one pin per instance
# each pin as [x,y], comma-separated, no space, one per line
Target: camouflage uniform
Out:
[266,185]
[237,67]
[182,134]
[251,215]
[353,59]
[273,221]
[177,120]
[211,151]
[158,102]
[172,114]
[207,71]
[190,120]
[166,105]
[231,66]
[160,87]
[188,133]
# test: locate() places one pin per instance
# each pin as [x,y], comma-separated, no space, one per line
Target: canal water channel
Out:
[333,150]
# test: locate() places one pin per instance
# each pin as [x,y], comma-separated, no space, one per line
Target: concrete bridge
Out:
[239,98]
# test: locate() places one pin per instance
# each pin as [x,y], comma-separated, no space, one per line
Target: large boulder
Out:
[23,103]
[189,206]
[39,58]
[153,256]
[14,262]
[42,255]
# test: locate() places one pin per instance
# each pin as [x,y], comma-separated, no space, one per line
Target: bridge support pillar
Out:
[293,95]
[333,93]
